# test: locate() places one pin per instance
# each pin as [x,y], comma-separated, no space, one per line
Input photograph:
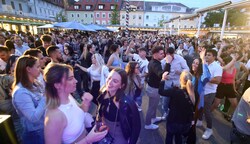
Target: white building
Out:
[156,12]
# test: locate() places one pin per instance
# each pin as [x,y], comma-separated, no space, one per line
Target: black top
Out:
[108,109]
[88,59]
[180,105]
[128,115]
[155,72]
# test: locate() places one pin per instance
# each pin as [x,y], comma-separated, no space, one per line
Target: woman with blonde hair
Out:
[98,73]
[66,121]
[182,100]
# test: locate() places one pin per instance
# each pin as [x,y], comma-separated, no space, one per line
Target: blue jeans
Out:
[177,131]
[33,137]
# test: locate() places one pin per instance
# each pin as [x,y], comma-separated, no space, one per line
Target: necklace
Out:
[109,102]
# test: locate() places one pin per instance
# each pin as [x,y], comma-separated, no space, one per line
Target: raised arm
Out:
[219,54]
[82,68]
[231,63]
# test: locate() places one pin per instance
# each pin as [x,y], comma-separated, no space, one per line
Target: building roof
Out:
[83,4]
[107,4]
[59,3]
[148,5]
[139,5]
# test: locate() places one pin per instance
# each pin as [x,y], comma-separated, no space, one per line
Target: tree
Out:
[214,17]
[115,18]
[235,17]
[60,17]
[160,22]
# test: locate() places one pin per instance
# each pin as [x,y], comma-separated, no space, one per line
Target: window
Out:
[176,8]
[86,15]
[139,16]
[112,7]
[72,15]
[91,15]
[146,24]
[185,26]
[76,7]
[191,26]
[20,7]
[100,6]
[147,17]
[45,11]
[3,2]
[88,7]
[13,5]
[172,26]
[103,15]
[97,15]
[166,8]
[78,15]
[40,10]
[123,16]
[30,10]
[110,15]
[134,16]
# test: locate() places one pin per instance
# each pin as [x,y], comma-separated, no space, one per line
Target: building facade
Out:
[136,14]
[103,11]
[82,11]
[26,15]
[157,12]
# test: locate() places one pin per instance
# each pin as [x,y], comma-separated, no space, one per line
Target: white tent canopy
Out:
[46,26]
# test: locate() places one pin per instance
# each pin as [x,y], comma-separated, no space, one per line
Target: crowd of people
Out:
[49,81]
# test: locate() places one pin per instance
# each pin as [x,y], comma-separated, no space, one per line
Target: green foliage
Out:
[60,17]
[214,18]
[115,18]
[235,17]
[160,22]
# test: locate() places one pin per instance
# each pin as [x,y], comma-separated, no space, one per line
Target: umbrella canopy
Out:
[46,26]
[98,28]
[74,25]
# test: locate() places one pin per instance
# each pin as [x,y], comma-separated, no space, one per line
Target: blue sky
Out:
[196,3]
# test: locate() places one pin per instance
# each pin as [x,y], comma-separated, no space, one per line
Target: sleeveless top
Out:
[228,78]
[75,121]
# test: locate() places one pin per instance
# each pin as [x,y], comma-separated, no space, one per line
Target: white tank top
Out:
[75,121]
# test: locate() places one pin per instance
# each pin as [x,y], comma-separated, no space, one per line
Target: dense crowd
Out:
[49,81]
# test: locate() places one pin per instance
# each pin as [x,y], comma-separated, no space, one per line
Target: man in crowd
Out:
[19,47]
[46,42]
[55,54]
[155,72]
[4,57]
[178,64]
[210,91]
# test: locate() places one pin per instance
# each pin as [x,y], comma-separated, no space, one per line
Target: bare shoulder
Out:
[55,116]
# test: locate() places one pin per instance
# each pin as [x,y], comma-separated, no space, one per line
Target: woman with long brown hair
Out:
[134,87]
[28,99]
